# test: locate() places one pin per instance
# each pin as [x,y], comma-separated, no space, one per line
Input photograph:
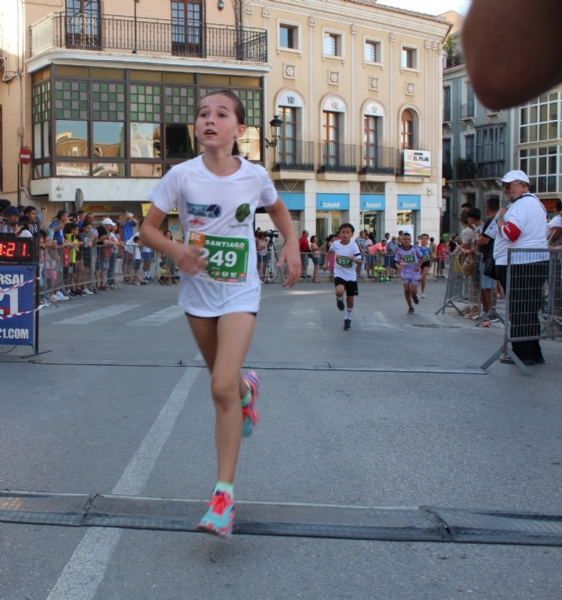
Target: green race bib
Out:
[227,257]
[344,261]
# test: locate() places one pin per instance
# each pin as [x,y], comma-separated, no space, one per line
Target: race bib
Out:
[227,257]
[343,261]
[409,258]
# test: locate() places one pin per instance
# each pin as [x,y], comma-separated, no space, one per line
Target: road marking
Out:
[373,320]
[56,309]
[160,317]
[98,315]
[85,570]
[303,318]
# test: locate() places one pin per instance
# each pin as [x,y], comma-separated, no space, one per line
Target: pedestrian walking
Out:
[408,260]
[346,254]
[220,287]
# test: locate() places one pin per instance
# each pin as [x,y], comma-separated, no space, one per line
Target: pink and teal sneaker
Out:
[220,516]
[249,411]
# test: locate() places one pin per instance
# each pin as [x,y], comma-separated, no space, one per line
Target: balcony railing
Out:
[378,160]
[293,155]
[468,110]
[336,157]
[447,114]
[62,30]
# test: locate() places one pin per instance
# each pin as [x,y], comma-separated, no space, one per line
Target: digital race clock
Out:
[15,250]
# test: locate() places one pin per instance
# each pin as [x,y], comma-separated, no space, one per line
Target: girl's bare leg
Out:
[224,343]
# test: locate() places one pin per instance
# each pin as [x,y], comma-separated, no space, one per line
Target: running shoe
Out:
[249,412]
[423,295]
[220,516]
[60,296]
[411,311]
[87,292]
[415,299]
[347,325]
[339,302]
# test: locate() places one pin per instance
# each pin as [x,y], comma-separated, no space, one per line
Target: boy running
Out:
[408,260]
[347,255]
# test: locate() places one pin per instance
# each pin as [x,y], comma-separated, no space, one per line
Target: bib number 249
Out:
[227,257]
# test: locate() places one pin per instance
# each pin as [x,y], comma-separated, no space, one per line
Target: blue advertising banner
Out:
[332,201]
[16,305]
[292,200]
[409,202]
[372,202]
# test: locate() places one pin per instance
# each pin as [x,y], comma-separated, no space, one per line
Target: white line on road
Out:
[160,317]
[303,318]
[85,570]
[98,315]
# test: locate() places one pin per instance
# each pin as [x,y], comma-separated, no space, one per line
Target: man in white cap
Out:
[522,225]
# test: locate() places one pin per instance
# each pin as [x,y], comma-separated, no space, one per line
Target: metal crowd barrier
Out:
[533,292]
[471,290]
[64,269]
[318,269]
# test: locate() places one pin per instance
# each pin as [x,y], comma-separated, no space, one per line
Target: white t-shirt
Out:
[132,247]
[343,266]
[529,216]
[467,236]
[217,206]
[25,233]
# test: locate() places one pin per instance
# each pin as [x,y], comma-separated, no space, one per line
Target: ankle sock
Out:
[247,398]
[348,312]
[223,486]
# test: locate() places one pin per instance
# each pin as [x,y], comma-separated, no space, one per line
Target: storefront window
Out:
[146,170]
[109,139]
[178,141]
[72,138]
[46,139]
[250,144]
[145,140]
[108,170]
[73,169]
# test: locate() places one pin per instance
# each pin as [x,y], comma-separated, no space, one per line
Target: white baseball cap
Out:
[107,222]
[515,176]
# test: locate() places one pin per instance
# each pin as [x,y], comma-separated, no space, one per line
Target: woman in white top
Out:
[217,194]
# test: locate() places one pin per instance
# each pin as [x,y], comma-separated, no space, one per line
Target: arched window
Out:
[407,131]
[82,24]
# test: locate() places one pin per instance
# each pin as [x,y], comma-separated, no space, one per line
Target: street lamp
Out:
[220,5]
[276,125]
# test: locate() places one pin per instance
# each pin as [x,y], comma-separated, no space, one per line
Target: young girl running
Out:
[217,194]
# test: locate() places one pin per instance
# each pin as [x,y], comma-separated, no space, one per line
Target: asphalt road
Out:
[78,421]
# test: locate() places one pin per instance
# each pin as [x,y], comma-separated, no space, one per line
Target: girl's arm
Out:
[186,256]
[290,253]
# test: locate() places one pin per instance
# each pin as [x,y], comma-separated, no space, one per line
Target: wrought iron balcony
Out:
[447,114]
[336,157]
[468,111]
[113,32]
[378,160]
[293,155]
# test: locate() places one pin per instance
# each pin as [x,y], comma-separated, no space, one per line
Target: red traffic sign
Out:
[25,155]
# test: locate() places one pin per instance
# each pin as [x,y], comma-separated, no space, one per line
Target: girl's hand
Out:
[188,258]
[290,254]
